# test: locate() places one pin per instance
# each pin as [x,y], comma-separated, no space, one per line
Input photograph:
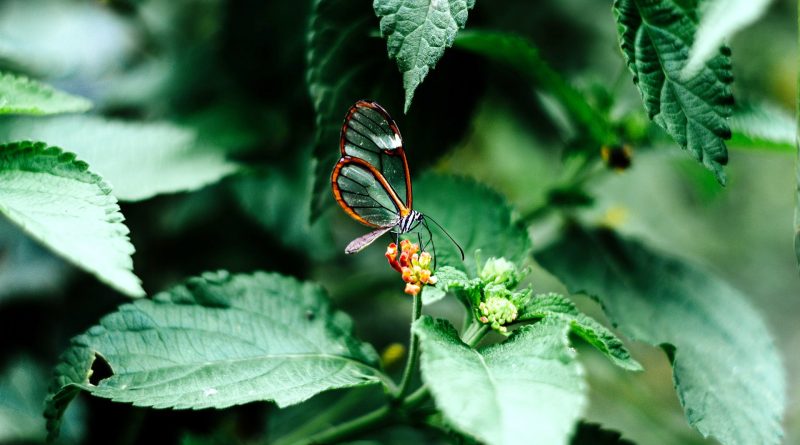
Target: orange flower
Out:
[414,267]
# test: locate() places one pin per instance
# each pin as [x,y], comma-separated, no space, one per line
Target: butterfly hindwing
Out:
[364,194]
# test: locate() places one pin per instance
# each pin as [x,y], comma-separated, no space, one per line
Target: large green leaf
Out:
[417,33]
[530,384]
[70,209]
[20,95]
[140,160]
[519,53]
[719,20]
[727,371]
[475,216]
[557,306]
[655,37]
[217,340]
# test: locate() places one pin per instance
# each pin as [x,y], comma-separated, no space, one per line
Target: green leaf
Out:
[655,37]
[522,55]
[557,306]
[593,434]
[475,216]
[217,340]
[503,393]
[140,160]
[762,126]
[20,95]
[448,277]
[726,368]
[720,20]
[60,202]
[417,33]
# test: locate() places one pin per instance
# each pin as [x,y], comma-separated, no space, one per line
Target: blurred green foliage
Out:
[219,95]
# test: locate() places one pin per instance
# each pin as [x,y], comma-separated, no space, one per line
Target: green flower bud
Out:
[500,271]
[497,312]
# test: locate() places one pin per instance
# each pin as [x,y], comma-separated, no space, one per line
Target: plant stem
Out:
[325,418]
[388,413]
[413,346]
[359,425]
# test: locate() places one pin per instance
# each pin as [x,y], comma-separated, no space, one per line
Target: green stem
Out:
[413,346]
[359,425]
[388,413]
[328,416]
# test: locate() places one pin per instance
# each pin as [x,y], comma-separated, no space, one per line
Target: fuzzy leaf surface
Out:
[557,306]
[418,32]
[57,200]
[217,340]
[500,394]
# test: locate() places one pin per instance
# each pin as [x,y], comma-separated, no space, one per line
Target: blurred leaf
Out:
[70,209]
[216,341]
[503,393]
[23,263]
[417,33]
[727,371]
[557,306]
[655,38]
[520,54]
[63,39]
[342,68]
[593,434]
[719,21]
[140,160]
[762,126]
[20,95]
[278,199]
[475,216]
[23,385]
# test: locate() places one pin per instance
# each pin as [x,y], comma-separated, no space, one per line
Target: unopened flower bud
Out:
[498,312]
[500,271]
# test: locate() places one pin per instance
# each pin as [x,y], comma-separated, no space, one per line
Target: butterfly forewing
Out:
[369,133]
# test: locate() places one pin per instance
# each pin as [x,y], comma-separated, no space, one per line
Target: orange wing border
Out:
[337,192]
[399,151]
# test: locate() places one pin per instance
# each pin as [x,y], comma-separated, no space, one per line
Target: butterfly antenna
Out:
[448,235]
[430,240]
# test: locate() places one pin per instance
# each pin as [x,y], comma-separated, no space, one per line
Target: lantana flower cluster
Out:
[498,306]
[413,265]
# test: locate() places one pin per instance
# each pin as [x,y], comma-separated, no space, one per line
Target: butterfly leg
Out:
[430,241]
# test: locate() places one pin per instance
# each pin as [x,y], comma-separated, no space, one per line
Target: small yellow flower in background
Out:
[414,267]
[393,354]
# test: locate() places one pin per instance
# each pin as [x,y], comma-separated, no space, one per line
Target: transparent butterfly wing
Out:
[362,192]
[369,133]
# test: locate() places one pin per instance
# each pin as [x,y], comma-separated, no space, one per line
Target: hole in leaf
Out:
[101,370]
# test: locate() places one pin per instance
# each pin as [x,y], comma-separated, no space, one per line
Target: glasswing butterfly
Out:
[371,181]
